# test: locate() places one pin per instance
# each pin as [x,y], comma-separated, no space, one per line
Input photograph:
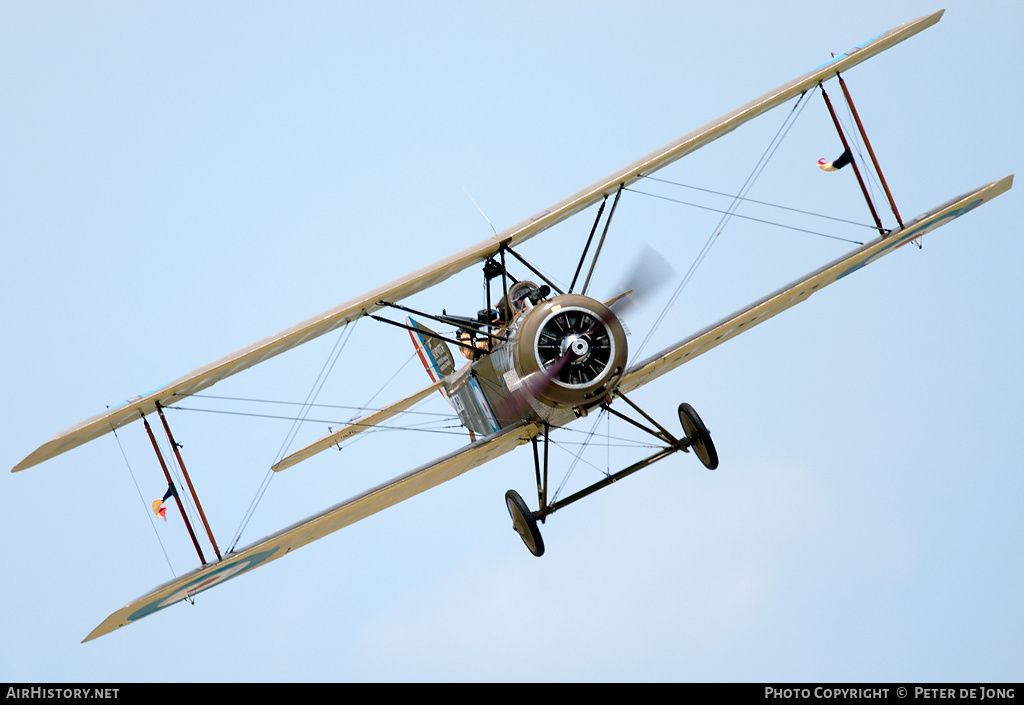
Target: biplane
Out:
[538,357]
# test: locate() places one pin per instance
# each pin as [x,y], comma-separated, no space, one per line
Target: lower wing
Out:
[339,516]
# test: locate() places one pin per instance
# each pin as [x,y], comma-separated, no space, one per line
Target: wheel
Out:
[524,523]
[698,436]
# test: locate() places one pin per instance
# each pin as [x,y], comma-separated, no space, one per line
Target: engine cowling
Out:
[572,348]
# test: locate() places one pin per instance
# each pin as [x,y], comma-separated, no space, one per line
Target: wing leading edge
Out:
[207,375]
[339,516]
[777,302]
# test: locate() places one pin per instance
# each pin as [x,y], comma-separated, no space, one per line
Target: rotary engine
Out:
[568,351]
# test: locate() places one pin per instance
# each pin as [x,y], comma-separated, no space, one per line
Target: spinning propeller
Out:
[571,349]
[574,347]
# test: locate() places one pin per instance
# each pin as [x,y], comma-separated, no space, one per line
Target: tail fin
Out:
[433,352]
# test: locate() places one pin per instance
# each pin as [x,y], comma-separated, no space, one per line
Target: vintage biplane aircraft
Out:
[536,360]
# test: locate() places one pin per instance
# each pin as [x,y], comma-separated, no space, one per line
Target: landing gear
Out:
[696,439]
[697,436]
[524,523]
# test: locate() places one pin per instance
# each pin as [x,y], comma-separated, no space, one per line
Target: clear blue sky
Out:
[180,180]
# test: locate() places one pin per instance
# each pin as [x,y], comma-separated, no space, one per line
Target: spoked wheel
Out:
[698,436]
[524,523]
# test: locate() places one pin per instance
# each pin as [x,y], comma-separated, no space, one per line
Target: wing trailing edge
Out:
[424,278]
[800,290]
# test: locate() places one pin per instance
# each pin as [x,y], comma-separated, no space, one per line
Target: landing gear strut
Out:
[696,439]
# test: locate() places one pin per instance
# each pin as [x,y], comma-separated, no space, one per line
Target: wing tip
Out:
[29,461]
[102,629]
[929,19]
[999,187]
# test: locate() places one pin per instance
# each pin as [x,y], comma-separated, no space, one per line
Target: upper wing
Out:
[800,290]
[338,316]
[337,517]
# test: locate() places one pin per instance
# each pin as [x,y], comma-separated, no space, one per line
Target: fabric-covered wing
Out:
[277,545]
[422,279]
[760,311]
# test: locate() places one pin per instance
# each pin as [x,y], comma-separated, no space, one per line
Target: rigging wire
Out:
[758,169]
[314,392]
[142,499]
[434,417]
[325,370]
[298,403]
[874,177]
[389,381]
[760,203]
[858,147]
[440,418]
[578,456]
[620,441]
[353,421]
[187,503]
[756,220]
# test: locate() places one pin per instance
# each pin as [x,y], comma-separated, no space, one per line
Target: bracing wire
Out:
[439,418]
[389,381]
[869,226]
[578,456]
[185,498]
[255,415]
[610,440]
[858,147]
[757,220]
[318,384]
[325,370]
[759,167]
[432,417]
[294,403]
[145,506]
